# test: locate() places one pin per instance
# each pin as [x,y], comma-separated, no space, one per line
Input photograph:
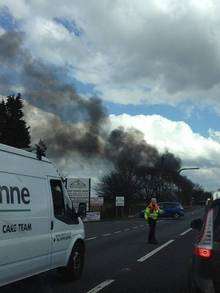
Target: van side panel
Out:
[24,226]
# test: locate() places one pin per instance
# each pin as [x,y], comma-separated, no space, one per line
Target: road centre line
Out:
[127,229]
[185,232]
[91,238]
[145,257]
[101,286]
[107,234]
[117,232]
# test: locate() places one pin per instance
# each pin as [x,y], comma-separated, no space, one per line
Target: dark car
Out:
[205,265]
[171,209]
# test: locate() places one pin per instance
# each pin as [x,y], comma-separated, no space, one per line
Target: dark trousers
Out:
[152,228]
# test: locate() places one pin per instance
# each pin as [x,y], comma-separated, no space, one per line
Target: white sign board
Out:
[96,201]
[93,216]
[78,190]
[120,201]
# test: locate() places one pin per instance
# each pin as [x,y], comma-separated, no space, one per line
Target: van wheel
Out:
[74,268]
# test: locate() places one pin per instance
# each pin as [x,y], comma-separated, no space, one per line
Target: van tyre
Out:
[74,268]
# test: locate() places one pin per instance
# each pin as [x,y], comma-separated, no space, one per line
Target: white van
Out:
[39,228]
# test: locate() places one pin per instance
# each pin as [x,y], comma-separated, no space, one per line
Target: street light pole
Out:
[190,168]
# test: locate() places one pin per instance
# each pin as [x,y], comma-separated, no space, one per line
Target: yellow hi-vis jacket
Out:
[151,213]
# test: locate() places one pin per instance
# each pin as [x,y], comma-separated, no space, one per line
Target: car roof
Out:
[20,152]
[18,161]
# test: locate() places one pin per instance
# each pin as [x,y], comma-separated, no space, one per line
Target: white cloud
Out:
[177,137]
[170,47]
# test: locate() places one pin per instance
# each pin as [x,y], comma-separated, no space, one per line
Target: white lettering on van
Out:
[13,194]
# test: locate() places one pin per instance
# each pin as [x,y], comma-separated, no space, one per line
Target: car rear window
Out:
[216,227]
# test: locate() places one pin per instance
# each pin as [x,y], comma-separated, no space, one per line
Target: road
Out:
[120,260]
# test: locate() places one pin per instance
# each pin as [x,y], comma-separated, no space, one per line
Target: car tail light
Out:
[203,248]
[205,253]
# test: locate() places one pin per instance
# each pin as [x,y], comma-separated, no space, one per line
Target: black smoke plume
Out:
[43,88]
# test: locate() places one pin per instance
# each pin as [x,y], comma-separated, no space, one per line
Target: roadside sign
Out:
[120,201]
[78,190]
[92,216]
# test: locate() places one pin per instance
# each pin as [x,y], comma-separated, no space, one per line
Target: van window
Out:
[58,198]
[63,209]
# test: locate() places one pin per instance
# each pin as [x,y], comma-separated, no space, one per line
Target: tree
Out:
[16,131]
[3,122]
[41,149]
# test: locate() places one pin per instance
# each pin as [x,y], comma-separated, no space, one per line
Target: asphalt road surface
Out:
[119,259]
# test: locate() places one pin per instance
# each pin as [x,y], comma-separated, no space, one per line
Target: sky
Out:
[155,64]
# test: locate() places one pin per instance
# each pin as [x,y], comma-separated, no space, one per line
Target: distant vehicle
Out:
[205,264]
[171,209]
[40,229]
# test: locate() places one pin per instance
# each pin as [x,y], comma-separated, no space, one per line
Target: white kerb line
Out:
[185,232]
[145,257]
[101,286]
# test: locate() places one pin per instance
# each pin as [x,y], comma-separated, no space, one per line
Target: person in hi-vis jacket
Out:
[151,216]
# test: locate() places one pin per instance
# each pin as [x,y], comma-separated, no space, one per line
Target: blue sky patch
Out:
[7,22]
[200,120]
[70,25]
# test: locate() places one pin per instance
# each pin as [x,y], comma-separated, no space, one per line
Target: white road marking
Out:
[145,257]
[101,286]
[91,238]
[135,227]
[185,232]
[127,229]
[117,232]
[107,234]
